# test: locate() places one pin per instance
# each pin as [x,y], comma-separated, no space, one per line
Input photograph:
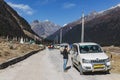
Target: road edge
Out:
[18,59]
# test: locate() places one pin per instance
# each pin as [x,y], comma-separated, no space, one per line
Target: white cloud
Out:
[68,5]
[22,7]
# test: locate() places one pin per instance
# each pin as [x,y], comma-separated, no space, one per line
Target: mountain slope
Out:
[102,27]
[44,28]
[12,25]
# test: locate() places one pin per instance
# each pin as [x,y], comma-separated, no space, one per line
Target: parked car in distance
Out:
[62,46]
[50,47]
[57,46]
[89,57]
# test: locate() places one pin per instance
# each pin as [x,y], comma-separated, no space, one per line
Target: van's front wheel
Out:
[107,72]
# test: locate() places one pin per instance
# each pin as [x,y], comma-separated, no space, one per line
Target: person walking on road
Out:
[65,57]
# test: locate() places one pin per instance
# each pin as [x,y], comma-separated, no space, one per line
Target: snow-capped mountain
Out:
[118,5]
[44,28]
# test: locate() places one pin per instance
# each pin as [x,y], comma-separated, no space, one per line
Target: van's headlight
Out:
[108,60]
[86,61]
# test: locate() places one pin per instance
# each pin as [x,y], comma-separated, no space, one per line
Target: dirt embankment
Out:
[114,54]
[9,50]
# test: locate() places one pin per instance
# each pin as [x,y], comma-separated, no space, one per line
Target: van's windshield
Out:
[90,49]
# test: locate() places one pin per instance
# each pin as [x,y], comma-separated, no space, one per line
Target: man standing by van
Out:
[65,57]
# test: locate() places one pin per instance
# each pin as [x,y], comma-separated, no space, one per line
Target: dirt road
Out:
[47,65]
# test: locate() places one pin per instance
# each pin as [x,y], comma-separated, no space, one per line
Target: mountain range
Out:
[44,28]
[100,27]
[12,25]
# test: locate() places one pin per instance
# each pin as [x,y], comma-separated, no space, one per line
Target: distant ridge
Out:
[101,27]
[44,28]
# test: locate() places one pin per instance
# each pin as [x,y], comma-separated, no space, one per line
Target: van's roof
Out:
[87,43]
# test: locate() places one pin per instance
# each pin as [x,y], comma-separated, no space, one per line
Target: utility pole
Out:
[60,35]
[56,39]
[82,33]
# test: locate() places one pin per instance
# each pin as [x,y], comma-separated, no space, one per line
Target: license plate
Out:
[98,66]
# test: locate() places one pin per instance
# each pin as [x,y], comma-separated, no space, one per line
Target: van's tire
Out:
[107,72]
[81,69]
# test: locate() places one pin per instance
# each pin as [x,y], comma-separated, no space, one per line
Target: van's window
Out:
[90,49]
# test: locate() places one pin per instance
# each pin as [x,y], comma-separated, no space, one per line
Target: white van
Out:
[89,57]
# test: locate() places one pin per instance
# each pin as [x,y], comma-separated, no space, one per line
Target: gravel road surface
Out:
[48,65]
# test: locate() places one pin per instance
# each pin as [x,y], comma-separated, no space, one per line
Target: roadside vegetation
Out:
[11,49]
[114,54]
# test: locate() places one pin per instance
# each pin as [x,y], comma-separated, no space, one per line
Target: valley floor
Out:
[48,65]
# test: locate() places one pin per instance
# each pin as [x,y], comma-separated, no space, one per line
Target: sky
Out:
[59,11]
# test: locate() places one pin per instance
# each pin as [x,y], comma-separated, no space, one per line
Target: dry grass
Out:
[114,52]
[11,50]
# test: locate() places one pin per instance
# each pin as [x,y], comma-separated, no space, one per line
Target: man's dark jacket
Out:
[65,54]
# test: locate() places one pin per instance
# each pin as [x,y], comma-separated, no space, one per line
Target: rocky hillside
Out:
[102,27]
[44,28]
[12,25]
